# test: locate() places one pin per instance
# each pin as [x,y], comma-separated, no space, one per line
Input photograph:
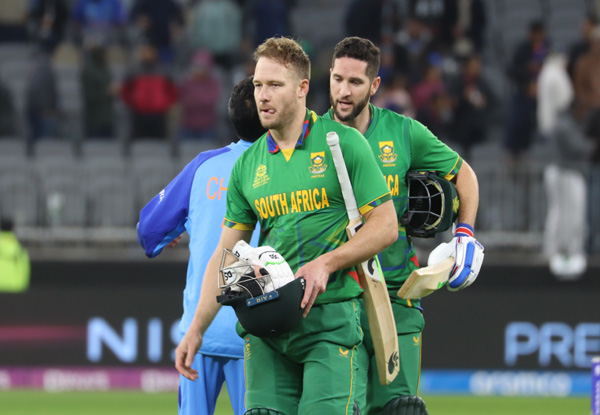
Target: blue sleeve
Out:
[164,217]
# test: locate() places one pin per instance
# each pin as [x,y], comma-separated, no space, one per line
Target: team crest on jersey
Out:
[261,176]
[386,148]
[317,163]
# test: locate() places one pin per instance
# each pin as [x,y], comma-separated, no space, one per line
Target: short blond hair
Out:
[286,51]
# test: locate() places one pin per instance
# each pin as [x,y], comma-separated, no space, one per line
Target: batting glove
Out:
[267,258]
[468,257]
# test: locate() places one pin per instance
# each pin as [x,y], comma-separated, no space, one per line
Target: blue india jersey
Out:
[194,201]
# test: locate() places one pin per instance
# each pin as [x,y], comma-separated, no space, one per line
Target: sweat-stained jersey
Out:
[194,201]
[299,203]
[402,144]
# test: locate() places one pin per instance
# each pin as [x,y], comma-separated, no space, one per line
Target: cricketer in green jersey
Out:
[288,183]
[400,144]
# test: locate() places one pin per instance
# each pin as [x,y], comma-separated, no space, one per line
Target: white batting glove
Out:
[468,257]
[269,259]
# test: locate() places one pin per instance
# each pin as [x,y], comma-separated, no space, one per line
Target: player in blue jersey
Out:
[195,202]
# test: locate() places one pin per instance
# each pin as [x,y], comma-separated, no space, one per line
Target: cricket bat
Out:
[423,281]
[376,296]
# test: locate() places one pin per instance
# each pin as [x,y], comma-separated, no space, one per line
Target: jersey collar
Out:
[371,123]
[310,119]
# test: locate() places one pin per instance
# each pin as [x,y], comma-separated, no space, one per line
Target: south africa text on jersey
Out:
[393,182]
[291,202]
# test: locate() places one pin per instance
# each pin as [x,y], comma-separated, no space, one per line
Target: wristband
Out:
[464,229]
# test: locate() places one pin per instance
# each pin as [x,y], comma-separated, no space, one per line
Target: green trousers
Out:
[311,370]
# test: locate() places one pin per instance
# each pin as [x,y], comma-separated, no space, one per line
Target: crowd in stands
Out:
[163,69]
[182,56]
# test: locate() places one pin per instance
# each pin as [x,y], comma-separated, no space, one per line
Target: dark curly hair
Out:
[243,113]
[361,49]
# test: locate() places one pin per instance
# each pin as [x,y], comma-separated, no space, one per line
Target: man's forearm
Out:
[208,307]
[467,188]
[378,232]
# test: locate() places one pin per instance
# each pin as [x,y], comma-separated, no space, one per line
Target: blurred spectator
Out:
[98,93]
[160,22]
[473,107]
[216,25]
[199,95]
[47,22]
[98,20]
[582,46]
[394,96]
[13,19]
[564,176]
[432,84]
[150,94]
[41,99]
[364,19]
[586,81]
[463,29]
[439,115]
[523,72]
[412,46]
[14,260]
[433,103]
[269,18]
[7,111]
[432,14]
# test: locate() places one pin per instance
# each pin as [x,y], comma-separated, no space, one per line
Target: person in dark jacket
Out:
[523,72]
[98,94]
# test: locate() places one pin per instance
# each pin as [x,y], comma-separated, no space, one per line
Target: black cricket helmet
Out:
[432,204]
[262,313]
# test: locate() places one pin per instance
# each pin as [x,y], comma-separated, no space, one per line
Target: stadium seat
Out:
[53,148]
[141,148]
[12,148]
[62,192]
[99,148]
[150,177]
[19,190]
[111,202]
[189,149]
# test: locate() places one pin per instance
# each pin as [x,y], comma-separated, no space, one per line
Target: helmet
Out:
[261,309]
[270,314]
[432,204]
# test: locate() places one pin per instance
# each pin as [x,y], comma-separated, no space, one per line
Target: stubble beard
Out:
[358,107]
[285,116]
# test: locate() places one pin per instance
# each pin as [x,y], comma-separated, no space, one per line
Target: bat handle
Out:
[332,139]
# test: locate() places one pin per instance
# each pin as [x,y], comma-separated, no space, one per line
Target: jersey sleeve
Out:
[163,218]
[369,186]
[429,153]
[239,214]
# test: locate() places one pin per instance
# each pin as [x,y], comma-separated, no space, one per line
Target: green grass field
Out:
[25,402]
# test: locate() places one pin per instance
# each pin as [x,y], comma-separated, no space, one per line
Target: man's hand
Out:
[266,258]
[175,242]
[316,274]
[185,353]
[468,255]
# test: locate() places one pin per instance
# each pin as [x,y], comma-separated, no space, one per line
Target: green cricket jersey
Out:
[402,144]
[298,201]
